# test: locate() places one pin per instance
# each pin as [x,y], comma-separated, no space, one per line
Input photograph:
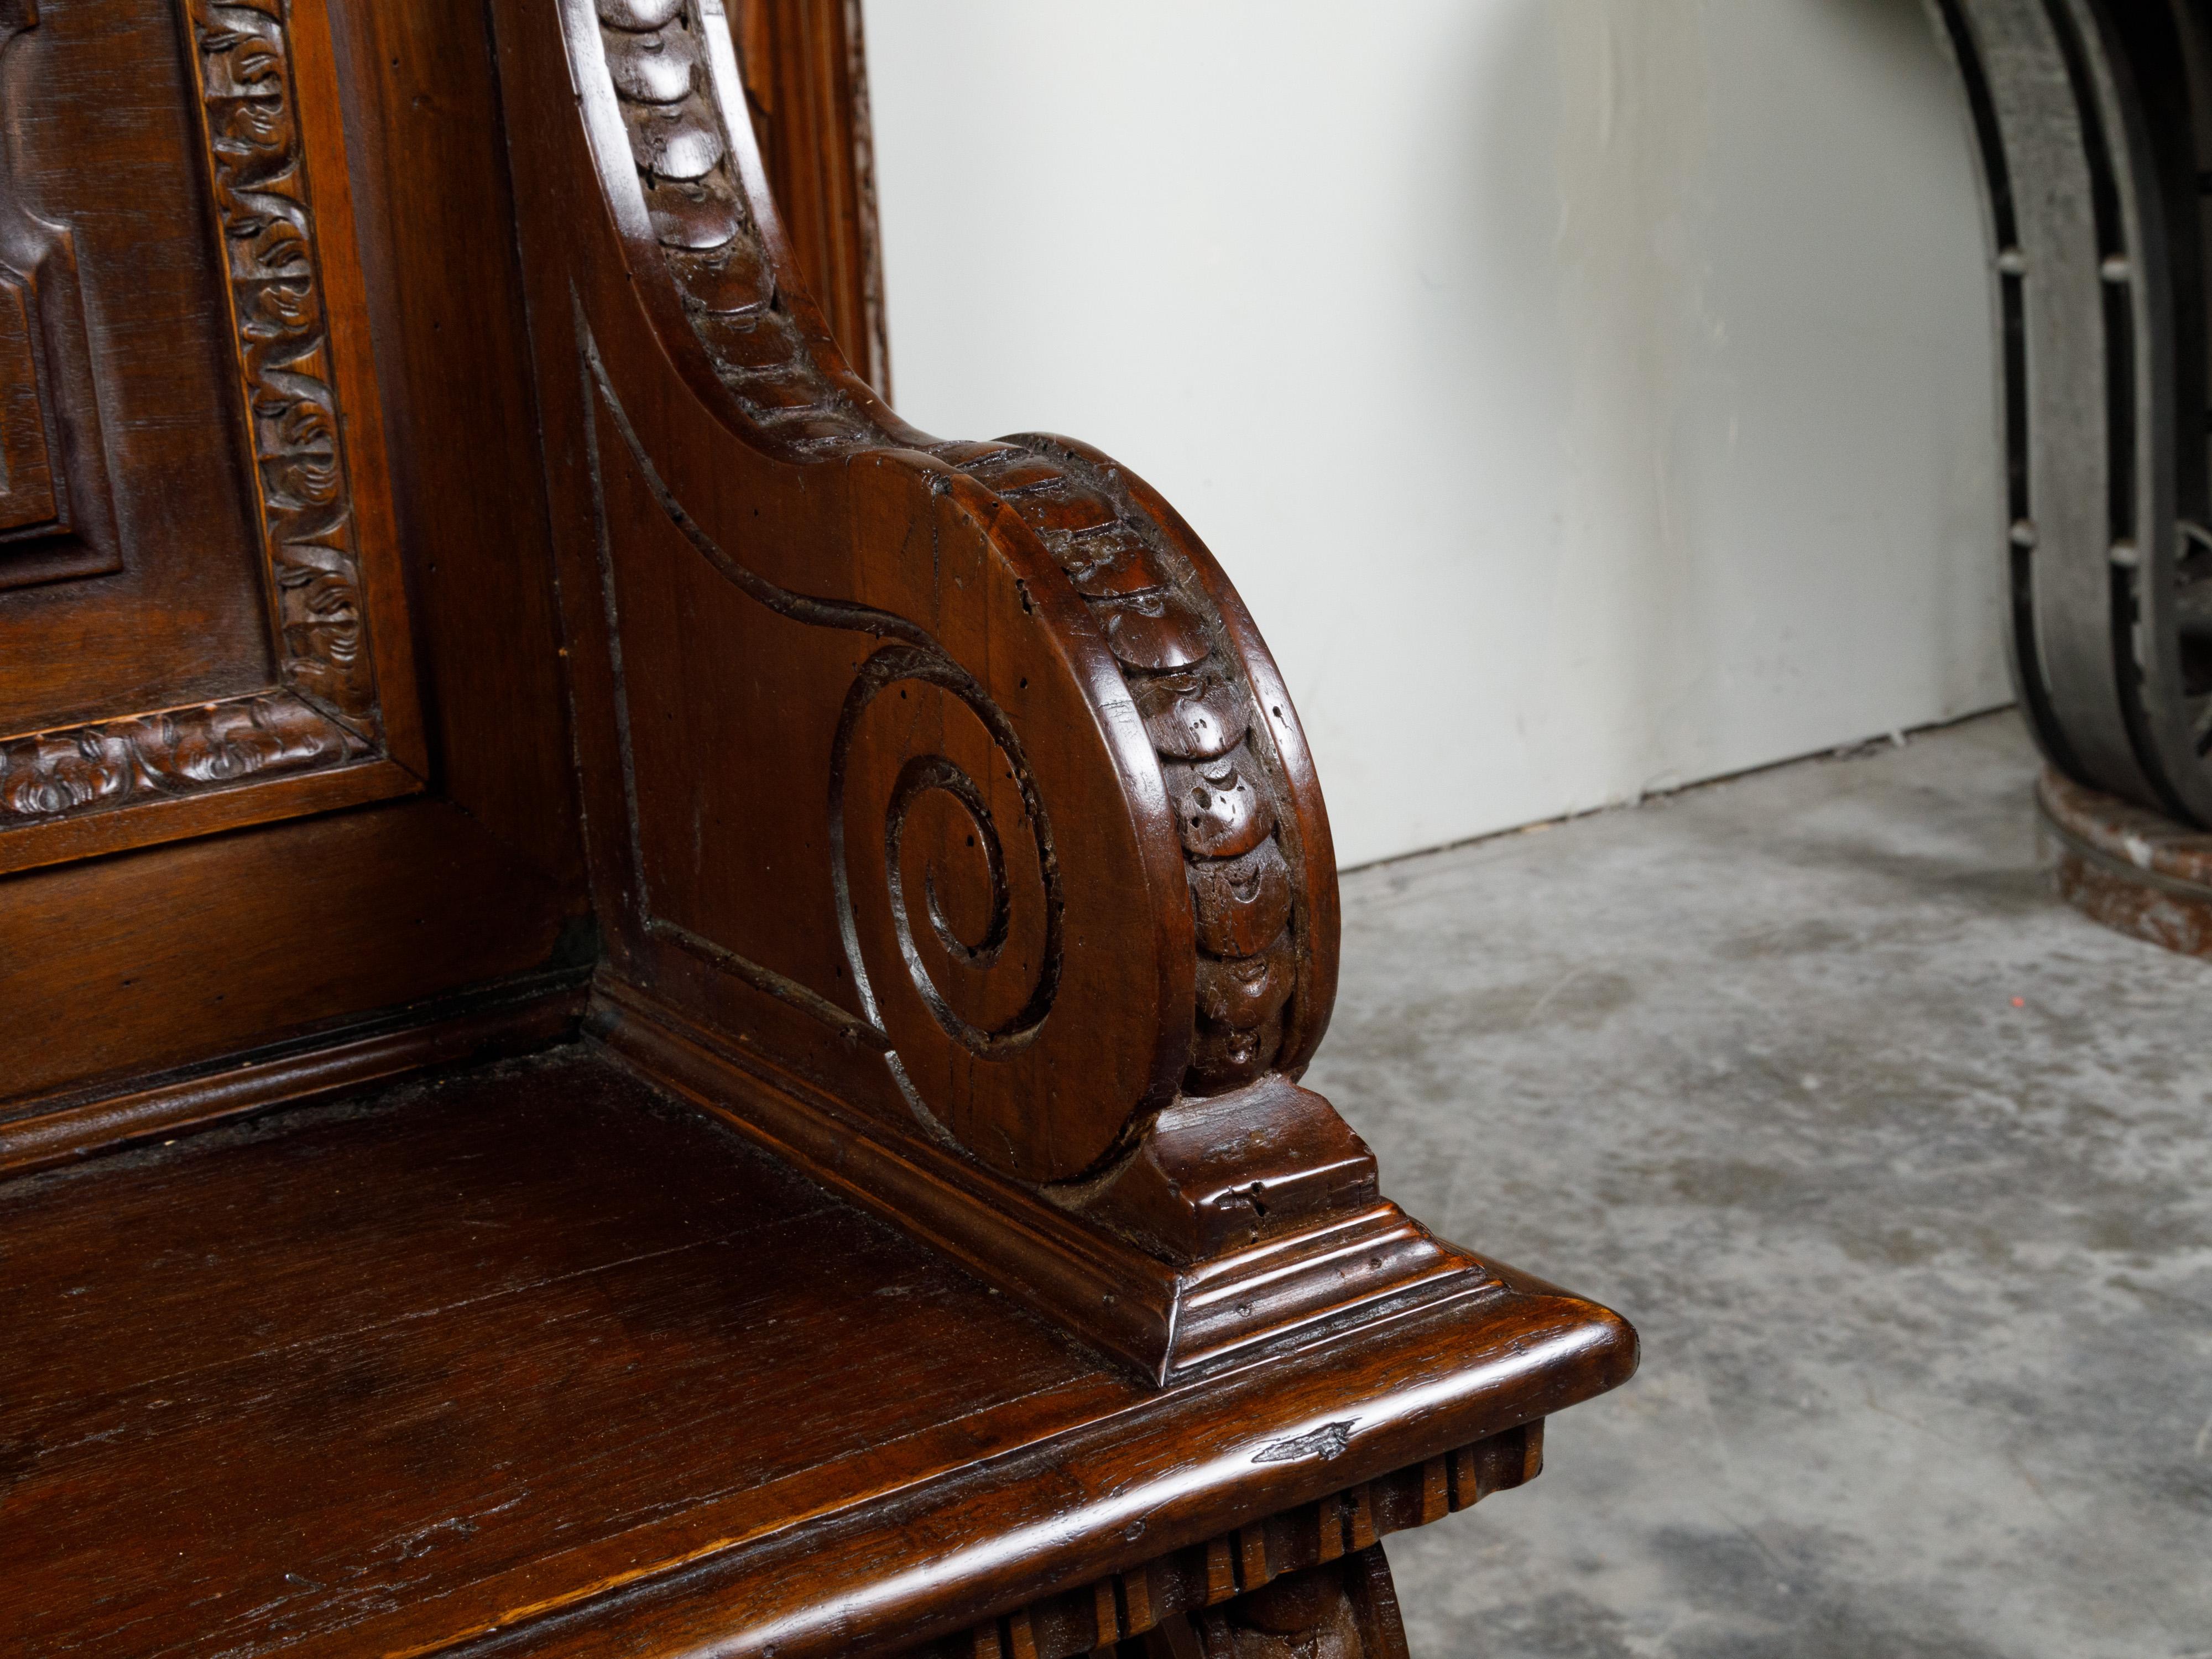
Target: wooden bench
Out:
[785,944]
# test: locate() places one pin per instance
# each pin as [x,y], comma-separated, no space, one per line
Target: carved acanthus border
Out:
[50,774]
[250,119]
[325,712]
[1199,708]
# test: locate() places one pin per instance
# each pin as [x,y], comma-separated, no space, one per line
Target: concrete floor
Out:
[1903,1170]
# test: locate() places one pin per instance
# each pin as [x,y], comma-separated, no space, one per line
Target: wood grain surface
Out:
[519,619]
[530,1349]
[948,778]
[195,878]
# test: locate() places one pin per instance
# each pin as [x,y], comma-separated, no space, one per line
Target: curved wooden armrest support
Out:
[951,826]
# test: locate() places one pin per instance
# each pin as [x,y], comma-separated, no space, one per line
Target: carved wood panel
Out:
[1214,740]
[179,957]
[244,657]
[949,822]
[41,339]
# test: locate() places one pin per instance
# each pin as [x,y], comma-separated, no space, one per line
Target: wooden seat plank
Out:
[534,1344]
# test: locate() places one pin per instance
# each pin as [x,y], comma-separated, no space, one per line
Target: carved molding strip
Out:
[250,119]
[325,712]
[657,55]
[1198,707]
[1201,715]
[1185,1583]
[84,768]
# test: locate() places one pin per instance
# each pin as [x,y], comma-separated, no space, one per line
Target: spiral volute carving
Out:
[1198,709]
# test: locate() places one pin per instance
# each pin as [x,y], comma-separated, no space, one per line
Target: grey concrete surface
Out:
[1904,1171]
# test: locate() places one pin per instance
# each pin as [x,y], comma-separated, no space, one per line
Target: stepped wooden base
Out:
[1169,1320]
[2135,871]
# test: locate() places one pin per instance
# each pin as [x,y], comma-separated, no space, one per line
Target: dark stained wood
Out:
[51,529]
[230,943]
[1117,1269]
[529,1348]
[1313,1576]
[1342,1611]
[806,87]
[457,598]
[445,299]
[513,1017]
[1043,863]
[28,497]
[254,628]
[196,952]
[32,499]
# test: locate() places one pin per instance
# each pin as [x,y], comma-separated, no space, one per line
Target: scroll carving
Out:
[1112,1126]
[912,656]
[1198,707]
[927,774]
[1202,718]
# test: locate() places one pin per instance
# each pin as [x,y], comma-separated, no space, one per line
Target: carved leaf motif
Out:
[327,715]
[53,773]
[1198,710]
[259,183]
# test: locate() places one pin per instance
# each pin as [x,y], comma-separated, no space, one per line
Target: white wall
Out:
[1587,396]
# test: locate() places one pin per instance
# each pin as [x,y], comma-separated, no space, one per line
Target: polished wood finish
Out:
[47,532]
[804,64]
[445,306]
[203,951]
[147,144]
[1315,1574]
[1038,923]
[1332,1250]
[249,658]
[458,598]
[530,1350]
[517,1015]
